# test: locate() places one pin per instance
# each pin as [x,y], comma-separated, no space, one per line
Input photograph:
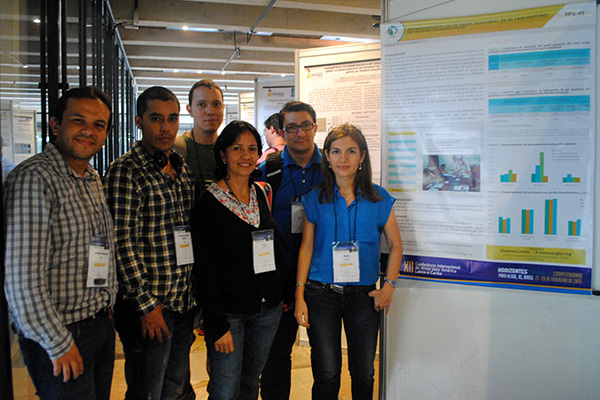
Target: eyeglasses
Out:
[293,128]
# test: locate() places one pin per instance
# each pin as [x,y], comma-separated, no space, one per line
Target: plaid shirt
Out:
[147,203]
[51,216]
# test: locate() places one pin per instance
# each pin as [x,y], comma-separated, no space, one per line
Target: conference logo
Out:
[395,33]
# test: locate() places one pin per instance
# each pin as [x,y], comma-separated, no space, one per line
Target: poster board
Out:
[343,85]
[489,137]
[270,94]
[246,107]
[18,133]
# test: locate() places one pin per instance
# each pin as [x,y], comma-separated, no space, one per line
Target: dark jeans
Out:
[95,340]
[275,381]
[154,370]
[236,375]
[326,311]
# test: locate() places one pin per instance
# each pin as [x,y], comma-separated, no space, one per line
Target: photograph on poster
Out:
[456,173]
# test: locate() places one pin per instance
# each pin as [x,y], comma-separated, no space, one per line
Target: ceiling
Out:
[174,43]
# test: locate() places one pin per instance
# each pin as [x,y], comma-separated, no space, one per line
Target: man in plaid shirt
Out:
[150,194]
[60,269]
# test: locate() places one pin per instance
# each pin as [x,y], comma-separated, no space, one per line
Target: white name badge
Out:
[297,216]
[184,251]
[263,251]
[98,262]
[345,262]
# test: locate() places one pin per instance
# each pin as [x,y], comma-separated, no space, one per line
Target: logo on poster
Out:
[395,32]
[313,75]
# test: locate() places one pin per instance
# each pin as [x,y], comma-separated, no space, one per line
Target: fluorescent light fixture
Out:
[348,39]
[263,33]
[196,29]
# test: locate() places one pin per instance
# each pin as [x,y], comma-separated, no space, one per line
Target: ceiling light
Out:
[283,75]
[347,39]
[223,72]
[176,70]
[185,27]
[199,71]
[37,21]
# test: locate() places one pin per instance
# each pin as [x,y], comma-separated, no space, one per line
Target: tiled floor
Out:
[301,374]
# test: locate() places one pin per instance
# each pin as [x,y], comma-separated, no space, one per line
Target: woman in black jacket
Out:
[236,278]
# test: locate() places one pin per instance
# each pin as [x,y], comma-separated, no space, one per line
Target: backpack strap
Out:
[274,171]
[266,189]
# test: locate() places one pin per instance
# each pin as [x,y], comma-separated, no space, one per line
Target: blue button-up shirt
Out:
[361,221]
[295,182]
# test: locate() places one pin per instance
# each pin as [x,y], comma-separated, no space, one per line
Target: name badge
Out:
[263,251]
[297,216]
[183,245]
[98,262]
[345,262]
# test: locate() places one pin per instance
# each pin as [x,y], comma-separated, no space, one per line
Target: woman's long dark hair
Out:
[363,181]
[227,138]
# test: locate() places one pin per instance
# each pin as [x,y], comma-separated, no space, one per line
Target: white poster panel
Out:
[344,86]
[23,134]
[488,145]
[246,107]
[270,96]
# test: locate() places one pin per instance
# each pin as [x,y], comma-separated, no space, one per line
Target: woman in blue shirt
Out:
[338,264]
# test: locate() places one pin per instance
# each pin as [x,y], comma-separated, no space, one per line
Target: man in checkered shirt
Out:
[150,193]
[60,269]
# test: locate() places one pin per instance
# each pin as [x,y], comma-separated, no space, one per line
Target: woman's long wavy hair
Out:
[227,138]
[363,181]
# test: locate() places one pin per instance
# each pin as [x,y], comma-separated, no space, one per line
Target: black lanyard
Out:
[312,180]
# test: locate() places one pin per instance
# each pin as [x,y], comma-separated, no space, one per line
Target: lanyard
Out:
[355,214]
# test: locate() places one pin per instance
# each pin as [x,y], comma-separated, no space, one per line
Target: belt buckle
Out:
[337,288]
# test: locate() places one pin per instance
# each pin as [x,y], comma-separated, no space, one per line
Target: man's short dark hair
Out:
[84,92]
[207,83]
[273,122]
[295,106]
[154,93]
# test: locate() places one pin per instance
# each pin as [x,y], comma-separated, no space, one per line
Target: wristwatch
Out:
[391,282]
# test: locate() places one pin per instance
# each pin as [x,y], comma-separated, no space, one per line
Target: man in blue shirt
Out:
[291,173]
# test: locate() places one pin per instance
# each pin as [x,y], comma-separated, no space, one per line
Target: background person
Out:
[273,137]
[240,287]
[336,283]
[196,146]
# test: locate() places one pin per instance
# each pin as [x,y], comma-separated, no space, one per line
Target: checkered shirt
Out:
[51,216]
[147,203]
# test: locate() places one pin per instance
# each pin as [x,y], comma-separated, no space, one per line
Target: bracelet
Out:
[300,285]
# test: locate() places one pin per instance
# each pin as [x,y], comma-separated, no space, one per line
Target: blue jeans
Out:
[95,340]
[154,370]
[275,381]
[326,311]
[236,375]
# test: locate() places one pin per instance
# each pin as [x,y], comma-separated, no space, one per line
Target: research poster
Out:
[346,92]
[488,146]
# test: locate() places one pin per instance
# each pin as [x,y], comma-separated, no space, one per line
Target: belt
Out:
[343,289]
[100,314]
